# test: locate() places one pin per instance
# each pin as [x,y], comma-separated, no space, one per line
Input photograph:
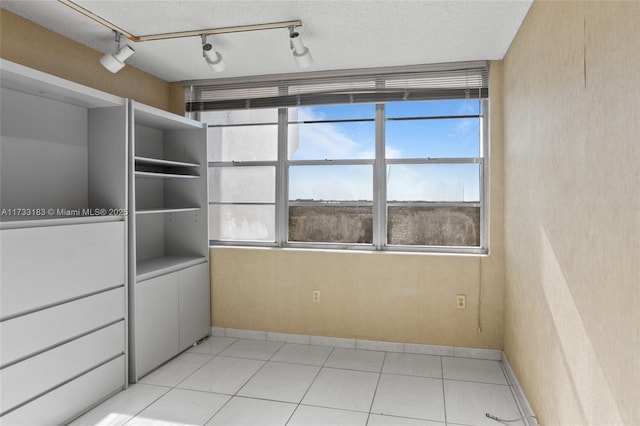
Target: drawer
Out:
[49,327]
[41,373]
[43,266]
[70,399]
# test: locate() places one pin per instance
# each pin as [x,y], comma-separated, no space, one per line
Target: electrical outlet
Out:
[315,296]
[461,301]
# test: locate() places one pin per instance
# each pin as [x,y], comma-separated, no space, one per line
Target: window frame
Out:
[380,203]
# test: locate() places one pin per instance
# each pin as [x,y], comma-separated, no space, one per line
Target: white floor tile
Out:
[222,375]
[253,412]
[120,408]
[213,345]
[345,389]
[253,349]
[183,407]
[380,420]
[319,416]
[303,354]
[408,396]
[413,365]
[468,402]
[354,359]
[280,382]
[176,370]
[473,370]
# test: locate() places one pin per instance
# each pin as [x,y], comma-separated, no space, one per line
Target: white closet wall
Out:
[63,247]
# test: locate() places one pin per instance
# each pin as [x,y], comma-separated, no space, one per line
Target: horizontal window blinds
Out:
[444,81]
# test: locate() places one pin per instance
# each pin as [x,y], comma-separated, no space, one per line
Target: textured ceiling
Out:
[341,34]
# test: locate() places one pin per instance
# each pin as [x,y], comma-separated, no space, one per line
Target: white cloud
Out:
[327,140]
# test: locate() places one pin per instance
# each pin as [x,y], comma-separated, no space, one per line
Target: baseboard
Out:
[374,345]
[518,394]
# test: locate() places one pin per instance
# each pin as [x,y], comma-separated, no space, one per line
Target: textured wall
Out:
[379,296]
[73,61]
[572,211]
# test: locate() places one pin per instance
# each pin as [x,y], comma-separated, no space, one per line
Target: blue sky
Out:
[404,139]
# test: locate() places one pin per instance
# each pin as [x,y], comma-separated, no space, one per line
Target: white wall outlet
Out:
[461,301]
[315,296]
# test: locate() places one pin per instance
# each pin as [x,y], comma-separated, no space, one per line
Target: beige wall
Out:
[368,295]
[73,61]
[572,211]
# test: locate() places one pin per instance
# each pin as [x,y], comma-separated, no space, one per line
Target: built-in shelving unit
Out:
[169,294]
[63,237]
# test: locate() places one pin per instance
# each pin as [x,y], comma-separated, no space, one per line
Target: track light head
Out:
[115,61]
[213,58]
[301,53]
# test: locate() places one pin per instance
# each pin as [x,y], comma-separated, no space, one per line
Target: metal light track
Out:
[180,34]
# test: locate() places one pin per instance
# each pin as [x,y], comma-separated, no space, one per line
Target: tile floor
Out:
[228,381]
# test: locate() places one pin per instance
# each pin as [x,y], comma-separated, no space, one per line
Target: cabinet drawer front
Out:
[49,265]
[71,399]
[31,377]
[49,327]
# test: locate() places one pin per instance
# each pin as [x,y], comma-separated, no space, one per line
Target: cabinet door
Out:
[156,322]
[194,304]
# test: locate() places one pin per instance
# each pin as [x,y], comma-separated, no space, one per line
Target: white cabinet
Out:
[168,254]
[172,312]
[63,245]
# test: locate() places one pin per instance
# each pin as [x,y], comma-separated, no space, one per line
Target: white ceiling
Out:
[341,34]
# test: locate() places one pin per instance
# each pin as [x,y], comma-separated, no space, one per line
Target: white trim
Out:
[218,331]
[416,348]
[518,393]
[492,354]
[246,334]
[338,342]
[373,345]
[301,339]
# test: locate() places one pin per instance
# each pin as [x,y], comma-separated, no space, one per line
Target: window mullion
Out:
[282,174]
[380,183]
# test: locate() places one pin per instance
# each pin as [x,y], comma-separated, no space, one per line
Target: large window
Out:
[392,174]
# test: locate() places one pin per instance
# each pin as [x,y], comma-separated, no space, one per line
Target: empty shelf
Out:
[159,175]
[167,210]
[160,162]
[155,267]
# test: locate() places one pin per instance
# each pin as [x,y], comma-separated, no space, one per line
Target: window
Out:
[243,152]
[405,171]
[330,174]
[434,173]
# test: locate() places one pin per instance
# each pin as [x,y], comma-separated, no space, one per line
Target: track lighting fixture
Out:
[300,52]
[212,57]
[115,61]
